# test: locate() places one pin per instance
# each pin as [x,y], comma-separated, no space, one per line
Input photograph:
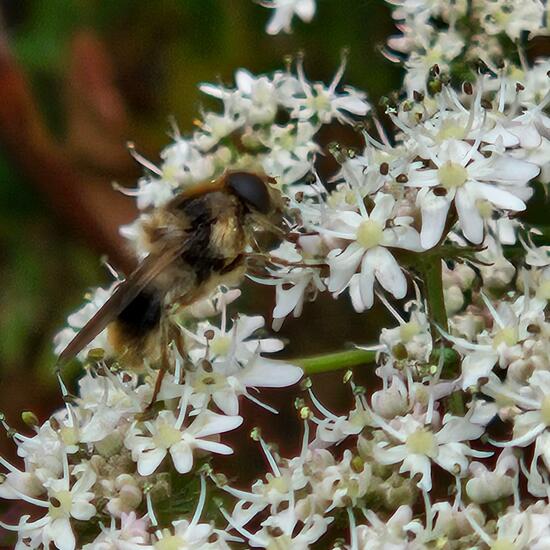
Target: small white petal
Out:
[500,198]
[182,457]
[434,215]
[149,461]
[471,221]
[477,365]
[383,208]
[214,447]
[62,534]
[210,423]
[343,266]
[269,373]
[305,10]
[227,401]
[83,510]
[387,271]
[508,169]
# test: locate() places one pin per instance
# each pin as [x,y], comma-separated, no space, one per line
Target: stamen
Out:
[458,497]
[302,77]
[352,529]
[429,514]
[240,529]
[30,500]
[200,504]
[518,442]
[390,308]
[64,391]
[183,407]
[477,528]
[151,514]
[320,407]
[261,404]
[305,441]
[269,457]
[142,160]
[355,187]
[339,73]
[492,310]
[26,526]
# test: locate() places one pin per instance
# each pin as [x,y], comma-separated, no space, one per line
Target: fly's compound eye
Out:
[251,190]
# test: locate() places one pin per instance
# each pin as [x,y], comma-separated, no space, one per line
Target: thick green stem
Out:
[433,285]
[334,361]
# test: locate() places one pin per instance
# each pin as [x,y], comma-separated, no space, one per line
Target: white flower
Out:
[475,182]
[292,151]
[490,485]
[371,236]
[534,417]
[64,503]
[105,401]
[519,529]
[285,10]
[436,48]
[234,363]
[293,283]
[504,344]
[78,319]
[153,192]
[418,445]
[168,435]
[341,483]
[44,452]
[214,304]
[496,270]
[392,400]
[185,535]
[324,103]
[285,530]
[412,336]
[131,535]
[385,535]
[184,164]
[123,493]
[256,97]
[510,16]
[426,8]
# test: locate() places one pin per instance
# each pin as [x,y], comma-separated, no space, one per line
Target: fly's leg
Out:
[165,363]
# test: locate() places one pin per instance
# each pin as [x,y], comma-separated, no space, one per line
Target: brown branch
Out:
[86,204]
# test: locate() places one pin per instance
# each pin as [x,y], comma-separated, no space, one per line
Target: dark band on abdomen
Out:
[142,314]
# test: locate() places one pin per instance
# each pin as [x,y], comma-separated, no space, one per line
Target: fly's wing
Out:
[123,294]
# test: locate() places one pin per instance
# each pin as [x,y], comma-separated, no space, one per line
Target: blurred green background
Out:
[78,78]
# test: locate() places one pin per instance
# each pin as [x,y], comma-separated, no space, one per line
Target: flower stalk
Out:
[432,275]
[334,361]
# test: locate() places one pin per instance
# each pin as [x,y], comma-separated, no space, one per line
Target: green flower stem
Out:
[433,284]
[334,361]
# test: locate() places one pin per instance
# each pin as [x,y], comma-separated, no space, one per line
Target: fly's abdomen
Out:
[135,332]
[142,314]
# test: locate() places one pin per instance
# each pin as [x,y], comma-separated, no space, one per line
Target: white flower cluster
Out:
[268,123]
[451,34]
[96,460]
[450,449]
[285,10]
[471,414]
[456,165]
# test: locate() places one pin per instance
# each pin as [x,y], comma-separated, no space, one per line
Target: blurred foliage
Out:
[159,51]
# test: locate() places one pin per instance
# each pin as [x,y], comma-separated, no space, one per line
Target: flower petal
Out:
[434,215]
[387,271]
[471,221]
[383,208]
[182,457]
[149,461]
